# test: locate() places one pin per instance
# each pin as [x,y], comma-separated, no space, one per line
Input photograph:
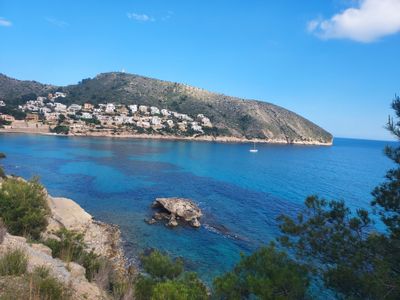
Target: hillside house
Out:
[30,117]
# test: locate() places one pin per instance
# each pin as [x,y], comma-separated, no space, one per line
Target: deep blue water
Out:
[240,193]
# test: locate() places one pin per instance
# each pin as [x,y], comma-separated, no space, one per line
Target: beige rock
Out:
[104,239]
[37,256]
[42,248]
[179,208]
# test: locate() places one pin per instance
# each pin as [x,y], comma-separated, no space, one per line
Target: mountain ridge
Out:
[231,116]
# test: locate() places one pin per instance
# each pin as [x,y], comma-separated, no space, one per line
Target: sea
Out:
[240,193]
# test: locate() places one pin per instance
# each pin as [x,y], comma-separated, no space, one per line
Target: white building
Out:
[154,110]
[86,115]
[45,110]
[196,127]
[133,108]
[110,108]
[74,107]
[165,112]
[143,108]
[59,94]
[156,120]
[204,120]
[60,107]
[2,103]
[170,123]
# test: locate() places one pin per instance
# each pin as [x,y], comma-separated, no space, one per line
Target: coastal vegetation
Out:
[2,173]
[13,263]
[23,207]
[60,129]
[165,278]
[265,274]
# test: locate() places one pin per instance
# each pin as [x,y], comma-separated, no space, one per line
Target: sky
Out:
[335,62]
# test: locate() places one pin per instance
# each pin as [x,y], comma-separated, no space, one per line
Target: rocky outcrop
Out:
[70,274]
[104,239]
[175,210]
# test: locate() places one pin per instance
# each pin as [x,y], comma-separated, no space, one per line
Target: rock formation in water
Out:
[175,210]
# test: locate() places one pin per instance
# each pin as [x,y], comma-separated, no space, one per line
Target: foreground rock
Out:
[175,210]
[70,274]
[104,239]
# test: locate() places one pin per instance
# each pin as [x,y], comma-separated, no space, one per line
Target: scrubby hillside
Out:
[231,116]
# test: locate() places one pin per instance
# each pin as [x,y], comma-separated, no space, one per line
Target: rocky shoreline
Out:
[203,138]
[101,238]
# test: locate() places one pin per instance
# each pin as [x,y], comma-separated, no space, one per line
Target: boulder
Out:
[177,209]
[172,222]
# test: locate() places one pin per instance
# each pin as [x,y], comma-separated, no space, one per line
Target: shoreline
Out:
[206,138]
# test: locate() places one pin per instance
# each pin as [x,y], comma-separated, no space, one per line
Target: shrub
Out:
[266,274]
[60,129]
[170,290]
[161,266]
[13,262]
[23,207]
[44,286]
[166,279]
[92,263]
[71,247]
[3,231]
[2,173]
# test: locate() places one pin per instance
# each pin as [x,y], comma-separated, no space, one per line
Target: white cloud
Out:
[5,22]
[56,22]
[369,21]
[140,17]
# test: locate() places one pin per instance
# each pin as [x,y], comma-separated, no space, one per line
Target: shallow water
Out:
[240,193]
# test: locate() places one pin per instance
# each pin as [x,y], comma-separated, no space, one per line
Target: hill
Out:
[231,116]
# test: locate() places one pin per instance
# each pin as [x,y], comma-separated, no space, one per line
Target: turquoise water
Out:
[240,193]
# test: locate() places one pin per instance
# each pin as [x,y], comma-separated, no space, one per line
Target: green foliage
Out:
[341,246]
[91,262]
[16,113]
[61,118]
[4,122]
[13,262]
[46,287]
[245,122]
[166,279]
[170,290]
[338,246]
[2,173]
[69,247]
[161,266]
[60,129]
[266,274]
[23,207]
[387,195]
[92,121]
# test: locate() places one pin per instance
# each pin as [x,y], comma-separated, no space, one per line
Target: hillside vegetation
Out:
[231,116]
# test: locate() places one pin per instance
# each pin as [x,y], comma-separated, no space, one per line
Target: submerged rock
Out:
[174,209]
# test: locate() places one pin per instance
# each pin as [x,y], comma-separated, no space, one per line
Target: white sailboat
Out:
[254,150]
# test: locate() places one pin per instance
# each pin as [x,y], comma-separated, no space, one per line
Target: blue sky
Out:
[335,62]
